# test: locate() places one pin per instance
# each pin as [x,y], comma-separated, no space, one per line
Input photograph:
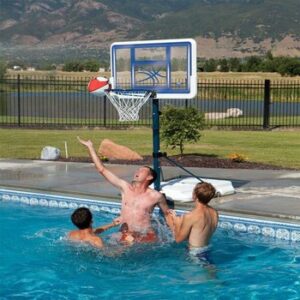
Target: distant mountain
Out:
[87,27]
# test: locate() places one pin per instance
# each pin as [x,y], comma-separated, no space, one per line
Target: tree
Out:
[253,64]
[234,64]
[290,67]
[3,67]
[73,66]
[18,62]
[224,65]
[269,65]
[210,65]
[181,125]
[47,67]
[200,63]
[269,55]
[92,65]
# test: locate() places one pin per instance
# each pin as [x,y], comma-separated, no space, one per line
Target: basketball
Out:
[98,85]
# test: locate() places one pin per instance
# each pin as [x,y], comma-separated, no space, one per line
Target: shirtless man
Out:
[138,200]
[83,219]
[198,225]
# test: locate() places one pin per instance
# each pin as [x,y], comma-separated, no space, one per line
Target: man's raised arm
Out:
[162,203]
[111,177]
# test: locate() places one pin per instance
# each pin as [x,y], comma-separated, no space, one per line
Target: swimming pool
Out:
[38,263]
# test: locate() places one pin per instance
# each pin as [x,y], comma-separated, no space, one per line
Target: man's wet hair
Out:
[82,217]
[204,192]
[153,174]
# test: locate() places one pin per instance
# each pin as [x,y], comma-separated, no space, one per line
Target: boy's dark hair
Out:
[204,192]
[124,228]
[82,217]
[153,174]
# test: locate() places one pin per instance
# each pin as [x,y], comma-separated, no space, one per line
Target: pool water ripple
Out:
[39,263]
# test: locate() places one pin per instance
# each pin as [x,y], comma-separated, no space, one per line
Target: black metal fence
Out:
[34,101]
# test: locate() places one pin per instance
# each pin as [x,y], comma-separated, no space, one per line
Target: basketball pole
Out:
[156,140]
[156,146]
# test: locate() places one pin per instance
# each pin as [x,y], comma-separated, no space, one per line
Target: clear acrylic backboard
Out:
[168,67]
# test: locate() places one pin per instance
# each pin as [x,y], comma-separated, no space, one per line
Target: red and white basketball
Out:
[98,85]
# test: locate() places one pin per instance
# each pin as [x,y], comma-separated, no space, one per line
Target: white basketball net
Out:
[128,103]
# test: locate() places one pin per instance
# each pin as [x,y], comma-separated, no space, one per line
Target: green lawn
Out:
[280,148]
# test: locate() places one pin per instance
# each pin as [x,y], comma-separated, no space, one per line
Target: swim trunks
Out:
[200,254]
[134,236]
[149,237]
[129,237]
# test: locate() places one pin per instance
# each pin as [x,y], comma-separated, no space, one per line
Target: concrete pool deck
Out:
[263,194]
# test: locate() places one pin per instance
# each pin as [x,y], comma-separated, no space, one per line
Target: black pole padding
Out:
[158,154]
[156,140]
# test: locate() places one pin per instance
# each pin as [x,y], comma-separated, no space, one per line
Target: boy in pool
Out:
[83,219]
[198,225]
[128,237]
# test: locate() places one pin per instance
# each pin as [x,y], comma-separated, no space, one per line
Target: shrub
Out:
[104,158]
[181,125]
[236,157]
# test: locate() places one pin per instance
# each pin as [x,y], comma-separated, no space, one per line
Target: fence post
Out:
[19,100]
[104,110]
[267,103]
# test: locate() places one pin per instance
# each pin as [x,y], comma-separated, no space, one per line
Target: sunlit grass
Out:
[281,148]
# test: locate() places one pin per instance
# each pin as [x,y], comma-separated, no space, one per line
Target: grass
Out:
[246,76]
[281,148]
[201,75]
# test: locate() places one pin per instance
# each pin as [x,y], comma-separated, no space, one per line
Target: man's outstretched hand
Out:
[87,143]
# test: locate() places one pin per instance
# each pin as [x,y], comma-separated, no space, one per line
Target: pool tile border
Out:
[272,229]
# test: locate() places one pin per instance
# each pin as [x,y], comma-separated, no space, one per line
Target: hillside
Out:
[68,28]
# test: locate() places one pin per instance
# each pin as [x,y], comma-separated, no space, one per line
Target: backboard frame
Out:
[186,89]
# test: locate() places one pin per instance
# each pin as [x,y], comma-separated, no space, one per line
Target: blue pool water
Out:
[38,263]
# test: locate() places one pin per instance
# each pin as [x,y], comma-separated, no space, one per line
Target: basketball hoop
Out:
[128,103]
